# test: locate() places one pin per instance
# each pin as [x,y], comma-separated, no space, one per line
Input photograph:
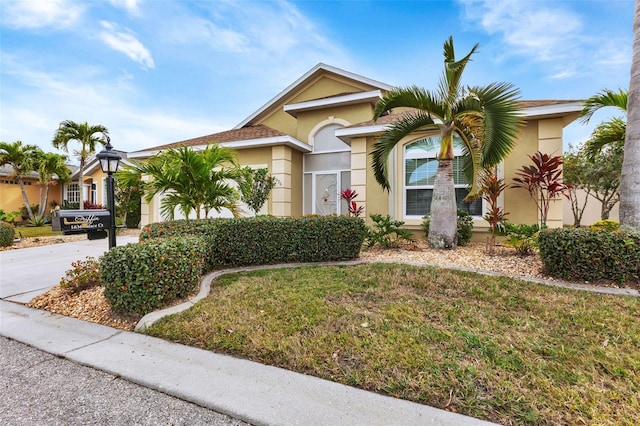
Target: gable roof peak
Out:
[309,75]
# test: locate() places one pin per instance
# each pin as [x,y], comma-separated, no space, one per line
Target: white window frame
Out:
[72,192]
[457,152]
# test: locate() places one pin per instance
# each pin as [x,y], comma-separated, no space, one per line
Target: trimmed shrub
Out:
[139,278]
[585,254]
[7,233]
[605,225]
[464,231]
[84,274]
[268,240]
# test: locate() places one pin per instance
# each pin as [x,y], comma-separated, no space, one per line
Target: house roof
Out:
[246,137]
[307,77]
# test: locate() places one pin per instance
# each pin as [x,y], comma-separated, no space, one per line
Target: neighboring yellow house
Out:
[11,199]
[94,186]
[316,137]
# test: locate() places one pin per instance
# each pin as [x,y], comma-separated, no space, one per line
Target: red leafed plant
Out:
[543,181]
[348,195]
[492,187]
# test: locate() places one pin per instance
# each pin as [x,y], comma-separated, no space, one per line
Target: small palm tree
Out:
[23,159]
[52,169]
[487,119]
[609,132]
[89,137]
[192,181]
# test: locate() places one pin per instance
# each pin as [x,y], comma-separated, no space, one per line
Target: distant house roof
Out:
[246,137]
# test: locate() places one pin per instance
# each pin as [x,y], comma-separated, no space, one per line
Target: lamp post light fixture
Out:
[109,163]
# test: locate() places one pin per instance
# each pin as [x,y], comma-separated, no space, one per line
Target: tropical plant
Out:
[608,132]
[84,274]
[521,237]
[386,232]
[256,187]
[89,136]
[128,193]
[630,181]
[349,195]
[543,181]
[492,188]
[193,181]
[8,217]
[487,119]
[23,159]
[7,234]
[52,169]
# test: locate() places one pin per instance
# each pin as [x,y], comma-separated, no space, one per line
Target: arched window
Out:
[420,167]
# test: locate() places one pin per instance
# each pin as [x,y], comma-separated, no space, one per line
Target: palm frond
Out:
[605,98]
[409,97]
[608,133]
[412,122]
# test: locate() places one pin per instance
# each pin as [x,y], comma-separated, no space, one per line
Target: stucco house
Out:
[11,199]
[316,137]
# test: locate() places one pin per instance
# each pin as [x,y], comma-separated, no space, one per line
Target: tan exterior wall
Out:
[281,157]
[377,199]
[296,183]
[11,197]
[308,121]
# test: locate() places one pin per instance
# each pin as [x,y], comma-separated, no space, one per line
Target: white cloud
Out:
[131,6]
[126,43]
[35,102]
[38,14]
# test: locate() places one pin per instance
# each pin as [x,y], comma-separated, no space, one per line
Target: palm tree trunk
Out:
[630,181]
[25,199]
[443,226]
[81,184]
[45,202]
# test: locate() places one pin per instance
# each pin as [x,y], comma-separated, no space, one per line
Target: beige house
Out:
[11,199]
[316,137]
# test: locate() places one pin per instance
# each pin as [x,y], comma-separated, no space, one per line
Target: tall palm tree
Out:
[608,132]
[23,159]
[192,181]
[88,136]
[52,170]
[487,119]
[630,180]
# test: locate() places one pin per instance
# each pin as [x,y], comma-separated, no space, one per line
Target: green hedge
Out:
[7,234]
[269,240]
[140,278]
[586,254]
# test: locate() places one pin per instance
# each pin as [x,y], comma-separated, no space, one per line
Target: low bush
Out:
[464,231]
[267,240]
[585,254]
[7,233]
[605,225]
[386,232]
[520,236]
[139,278]
[84,274]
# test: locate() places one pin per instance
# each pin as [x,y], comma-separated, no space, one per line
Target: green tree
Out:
[23,160]
[597,174]
[52,169]
[630,180]
[128,193]
[487,119]
[256,187]
[607,132]
[89,136]
[193,181]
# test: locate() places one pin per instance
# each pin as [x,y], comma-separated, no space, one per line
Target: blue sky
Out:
[159,71]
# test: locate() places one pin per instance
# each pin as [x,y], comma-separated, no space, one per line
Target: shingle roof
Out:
[245,133]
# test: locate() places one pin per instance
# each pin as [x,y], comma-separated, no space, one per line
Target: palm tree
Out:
[23,159]
[192,181]
[52,169]
[608,132]
[487,119]
[88,137]
[630,180]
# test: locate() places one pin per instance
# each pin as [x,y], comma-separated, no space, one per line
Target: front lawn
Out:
[36,231]
[494,348]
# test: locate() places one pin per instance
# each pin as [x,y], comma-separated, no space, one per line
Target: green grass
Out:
[494,348]
[36,231]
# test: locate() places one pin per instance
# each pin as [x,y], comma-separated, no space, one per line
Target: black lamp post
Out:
[109,162]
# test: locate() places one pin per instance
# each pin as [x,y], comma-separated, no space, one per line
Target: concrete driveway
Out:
[29,272]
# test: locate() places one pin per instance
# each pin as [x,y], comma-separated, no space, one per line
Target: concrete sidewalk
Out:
[242,389]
